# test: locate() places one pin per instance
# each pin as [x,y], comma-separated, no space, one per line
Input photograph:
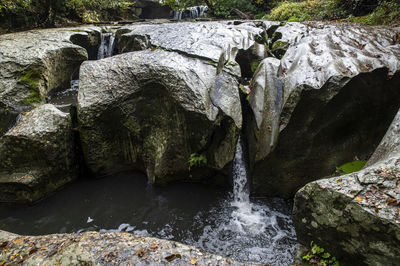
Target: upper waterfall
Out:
[191,12]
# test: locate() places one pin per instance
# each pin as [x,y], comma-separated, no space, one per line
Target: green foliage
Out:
[349,168]
[385,14]
[197,160]
[223,8]
[318,256]
[294,11]
[45,13]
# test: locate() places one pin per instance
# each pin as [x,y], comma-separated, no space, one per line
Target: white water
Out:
[192,12]
[245,230]
[106,46]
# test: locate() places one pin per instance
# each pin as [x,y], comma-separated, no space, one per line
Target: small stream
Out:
[213,219]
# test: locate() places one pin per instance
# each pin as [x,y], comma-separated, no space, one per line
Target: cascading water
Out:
[69,96]
[246,230]
[192,12]
[232,225]
[106,46]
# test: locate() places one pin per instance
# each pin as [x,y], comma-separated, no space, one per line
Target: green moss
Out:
[31,78]
[132,125]
[280,45]
[78,30]
[83,135]
[349,168]
[254,65]
[243,89]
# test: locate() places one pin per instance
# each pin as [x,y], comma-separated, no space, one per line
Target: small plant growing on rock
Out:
[197,160]
[317,256]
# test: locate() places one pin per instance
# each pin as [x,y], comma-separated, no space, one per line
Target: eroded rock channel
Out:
[259,106]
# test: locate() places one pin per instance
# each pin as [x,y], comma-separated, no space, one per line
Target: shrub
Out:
[386,13]
[306,10]
[197,160]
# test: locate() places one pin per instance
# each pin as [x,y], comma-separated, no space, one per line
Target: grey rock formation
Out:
[37,156]
[216,41]
[357,216]
[102,249]
[336,91]
[390,145]
[152,110]
[34,63]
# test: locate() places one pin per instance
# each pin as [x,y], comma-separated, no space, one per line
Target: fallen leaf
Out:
[359,199]
[353,192]
[339,180]
[391,201]
[15,242]
[4,244]
[170,257]
[373,189]
[140,252]
[33,250]
[193,261]
[154,246]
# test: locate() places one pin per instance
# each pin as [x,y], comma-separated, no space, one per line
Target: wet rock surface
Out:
[356,216]
[34,63]
[102,249]
[335,92]
[37,156]
[152,109]
[215,41]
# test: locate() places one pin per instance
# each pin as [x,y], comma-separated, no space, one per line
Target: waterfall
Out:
[240,176]
[245,217]
[106,46]
[192,12]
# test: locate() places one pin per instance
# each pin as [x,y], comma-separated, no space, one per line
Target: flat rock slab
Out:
[210,40]
[95,248]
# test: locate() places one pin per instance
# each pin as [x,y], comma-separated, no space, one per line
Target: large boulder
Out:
[328,100]
[356,216]
[178,100]
[95,248]
[34,63]
[160,112]
[37,156]
[219,42]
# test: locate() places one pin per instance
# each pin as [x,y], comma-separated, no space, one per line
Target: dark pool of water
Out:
[190,213]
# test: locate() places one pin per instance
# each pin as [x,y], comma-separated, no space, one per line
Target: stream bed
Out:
[189,213]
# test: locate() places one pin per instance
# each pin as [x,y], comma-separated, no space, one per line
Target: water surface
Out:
[190,213]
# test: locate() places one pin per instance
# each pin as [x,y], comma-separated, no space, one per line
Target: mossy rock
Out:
[279,48]
[31,78]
